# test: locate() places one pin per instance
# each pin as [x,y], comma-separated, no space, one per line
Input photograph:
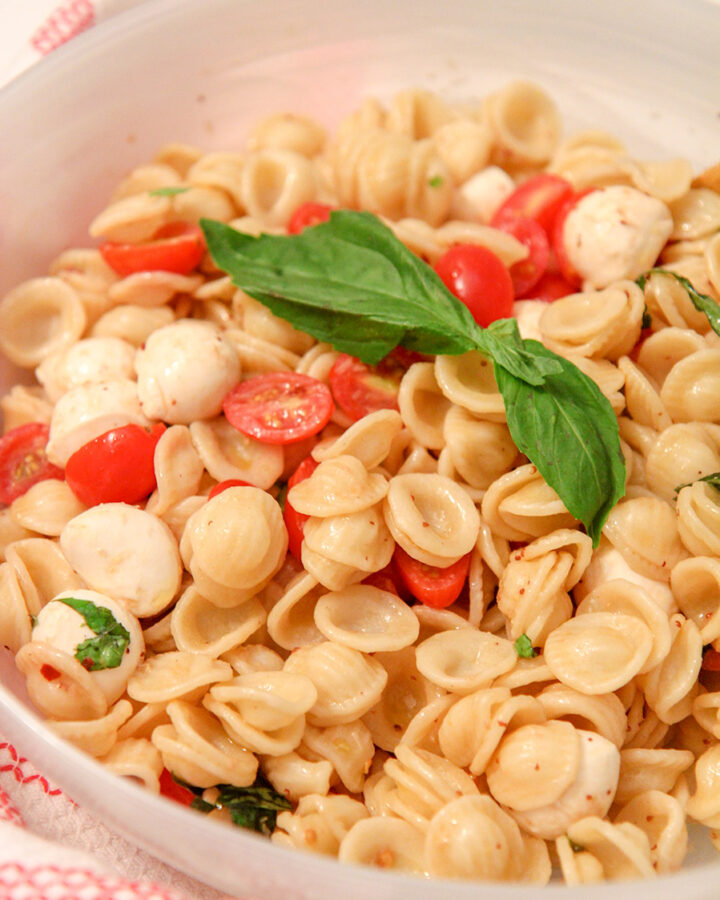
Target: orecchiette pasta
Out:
[387,625]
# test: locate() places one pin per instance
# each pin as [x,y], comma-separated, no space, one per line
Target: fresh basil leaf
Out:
[712,479]
[169,191]
[524,647]
[569,431]
[702,302]
[349,282]
[254,807]
[436,181]
[646,319]
[107,648]
[202,805]
[501,341]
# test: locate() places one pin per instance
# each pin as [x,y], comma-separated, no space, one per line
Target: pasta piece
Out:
[525,124]
[133,324]
[602,713]
[695,214]
[520,506]
[480,451]
[695,583]
[148,177]
[691,387]
[367,619]
[319,823]
[199,626]
[132,219]
[682,454]
[58,685]
[178,470]
[46,507]
[176,675]
[258,321]
[227,454]
[339,486]
[39,317]
[622,850]
[469,381]
[196,749]
[348,683]
[668,302]
[349,748]
[264,711]
[642,398]
[662,818]
[91,359]
[96,736]
[704,804]
[431,518]
[274,183]
[645,532]
[138,759]
[288,131]
[643,770]
[465,660]
[22,405]
[422,405]
[295,777]
[15,621]
[42,571]
[291,621]
[234,544]
[599,652]
[672,685]
[385,843]
[660,352]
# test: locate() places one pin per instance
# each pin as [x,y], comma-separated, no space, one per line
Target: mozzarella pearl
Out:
[184,372]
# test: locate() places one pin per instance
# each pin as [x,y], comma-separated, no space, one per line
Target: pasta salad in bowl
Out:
[361,492]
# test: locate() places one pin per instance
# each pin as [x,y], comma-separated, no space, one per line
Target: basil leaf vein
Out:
[107,648]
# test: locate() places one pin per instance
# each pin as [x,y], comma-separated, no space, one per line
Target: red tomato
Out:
[116,467]
[23,461]
[383,581]
[711,660]
[539,198]
[228,483]
[360,389]
[477,277]
[295,521]
[307,215]
[178,247]
[173,791]
[279,407]
[558,240]
[431,585]
[528,272]
[552,286]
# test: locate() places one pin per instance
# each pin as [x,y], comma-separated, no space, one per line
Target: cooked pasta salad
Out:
[367,491]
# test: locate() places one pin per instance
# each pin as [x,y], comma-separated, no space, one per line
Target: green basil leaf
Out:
[524,647]
[712,479]
[255,807]
[702,302]
[568,430]
[107,648]
[202,805]
[501,341]
[169,191]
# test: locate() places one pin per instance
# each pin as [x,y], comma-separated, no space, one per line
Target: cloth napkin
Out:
[51,848]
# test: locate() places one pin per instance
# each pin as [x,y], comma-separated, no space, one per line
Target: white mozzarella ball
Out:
[528,314]
[63,627]
[607,563]
[614,233]
[87,411]
[478,199]
[590,794]
[126,552]
[184,372]
[92,359]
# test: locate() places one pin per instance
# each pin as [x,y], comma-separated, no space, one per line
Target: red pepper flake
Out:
[49,673]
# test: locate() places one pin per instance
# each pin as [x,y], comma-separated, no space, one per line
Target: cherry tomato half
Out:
[431,585]
[539,198]
[178,247]
[557,237]
[228,483]
[173,791]
[360,389]
[307,215]
[527,272]
[116,467]
[23,461]
[477,277]
[279,407]
[711,660]
[295,521]
[552,286]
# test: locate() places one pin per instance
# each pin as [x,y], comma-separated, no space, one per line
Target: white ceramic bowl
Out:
[202,72]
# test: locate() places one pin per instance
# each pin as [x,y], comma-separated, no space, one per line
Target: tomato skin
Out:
[527,272]
[307,215]
[552,286]
[711,660]
[279,407]
[432,586]
[383,581]
[228,483]
[116,467]
[178,247]
[23,461]
[173,791]
[360,389]
[480,280]
[295,521]
[539,198]
[557,238]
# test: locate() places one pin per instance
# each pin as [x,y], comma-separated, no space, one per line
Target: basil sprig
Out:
[702,302]
[713,479]
[524,647]
[255,807]
[106,649]
[352,283]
